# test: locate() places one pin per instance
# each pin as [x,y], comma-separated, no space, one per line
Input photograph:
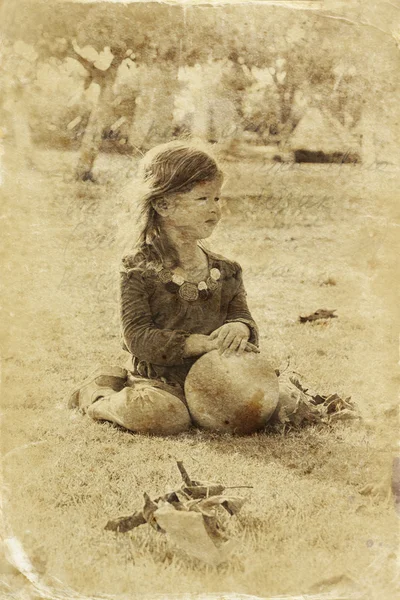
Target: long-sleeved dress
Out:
[156,321]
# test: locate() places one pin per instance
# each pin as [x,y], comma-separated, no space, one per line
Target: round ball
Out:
[233,394]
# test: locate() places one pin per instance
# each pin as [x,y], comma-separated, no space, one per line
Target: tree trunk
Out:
[91,140]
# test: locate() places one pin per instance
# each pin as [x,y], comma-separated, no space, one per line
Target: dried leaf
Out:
[317,399]
[149,509]
[296,382]
[232,504]
[169,497]
[184,474]
[215,530]
[303,413]
[183,497]
[321,313]
[203,490]
[335,404]
[344,415]
[188,516]
[311,406]
[188,531]
[172,498]
[196,506]
[280,417]
[124,524]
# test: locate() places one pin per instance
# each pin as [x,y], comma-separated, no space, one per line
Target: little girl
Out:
[178,299]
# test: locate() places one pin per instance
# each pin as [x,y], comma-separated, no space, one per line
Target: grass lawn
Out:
[308,238]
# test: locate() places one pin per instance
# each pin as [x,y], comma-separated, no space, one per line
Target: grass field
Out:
[307,238]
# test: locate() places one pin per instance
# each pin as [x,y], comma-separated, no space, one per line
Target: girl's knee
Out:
[158,412]
[145,410]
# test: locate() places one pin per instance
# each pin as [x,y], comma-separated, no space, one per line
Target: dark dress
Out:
[156,322]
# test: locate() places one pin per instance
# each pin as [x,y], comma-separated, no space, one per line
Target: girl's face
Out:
[196,213]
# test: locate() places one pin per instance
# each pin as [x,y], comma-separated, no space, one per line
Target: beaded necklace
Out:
[188,290]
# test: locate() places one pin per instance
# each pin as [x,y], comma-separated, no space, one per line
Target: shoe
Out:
[103,381]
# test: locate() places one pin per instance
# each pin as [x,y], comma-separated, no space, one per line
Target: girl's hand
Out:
[231,337]
[198,344]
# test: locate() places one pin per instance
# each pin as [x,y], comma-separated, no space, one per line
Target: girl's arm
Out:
[198,344]
[238,311]
[143,338]
[239,331]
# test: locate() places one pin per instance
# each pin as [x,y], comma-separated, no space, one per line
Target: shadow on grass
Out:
[338,454]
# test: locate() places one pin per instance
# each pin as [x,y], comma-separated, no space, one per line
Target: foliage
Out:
[272,63]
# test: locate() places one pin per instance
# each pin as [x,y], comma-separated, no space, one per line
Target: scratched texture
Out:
[87,87]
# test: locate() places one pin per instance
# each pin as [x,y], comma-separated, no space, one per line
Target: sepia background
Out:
[300,103]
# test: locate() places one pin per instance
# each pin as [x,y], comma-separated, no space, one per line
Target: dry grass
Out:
[305,527]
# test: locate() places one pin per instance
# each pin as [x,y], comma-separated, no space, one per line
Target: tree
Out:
[102,40]
[282,41]
[298,50]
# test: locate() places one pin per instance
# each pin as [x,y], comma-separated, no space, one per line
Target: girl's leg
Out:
[143,408]
[104,380]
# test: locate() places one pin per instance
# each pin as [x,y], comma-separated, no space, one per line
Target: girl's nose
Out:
[215,212]
[213,206]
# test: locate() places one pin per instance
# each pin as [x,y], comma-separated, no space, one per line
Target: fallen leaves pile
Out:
[190,517]
[301,405]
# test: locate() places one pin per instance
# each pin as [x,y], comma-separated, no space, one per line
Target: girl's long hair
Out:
[170,168]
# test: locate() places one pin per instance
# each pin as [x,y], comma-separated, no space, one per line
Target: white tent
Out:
[319,131]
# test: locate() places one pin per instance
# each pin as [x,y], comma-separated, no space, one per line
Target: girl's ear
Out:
[161,206]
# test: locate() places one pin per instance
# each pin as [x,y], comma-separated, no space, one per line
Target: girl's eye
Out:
[205,198]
